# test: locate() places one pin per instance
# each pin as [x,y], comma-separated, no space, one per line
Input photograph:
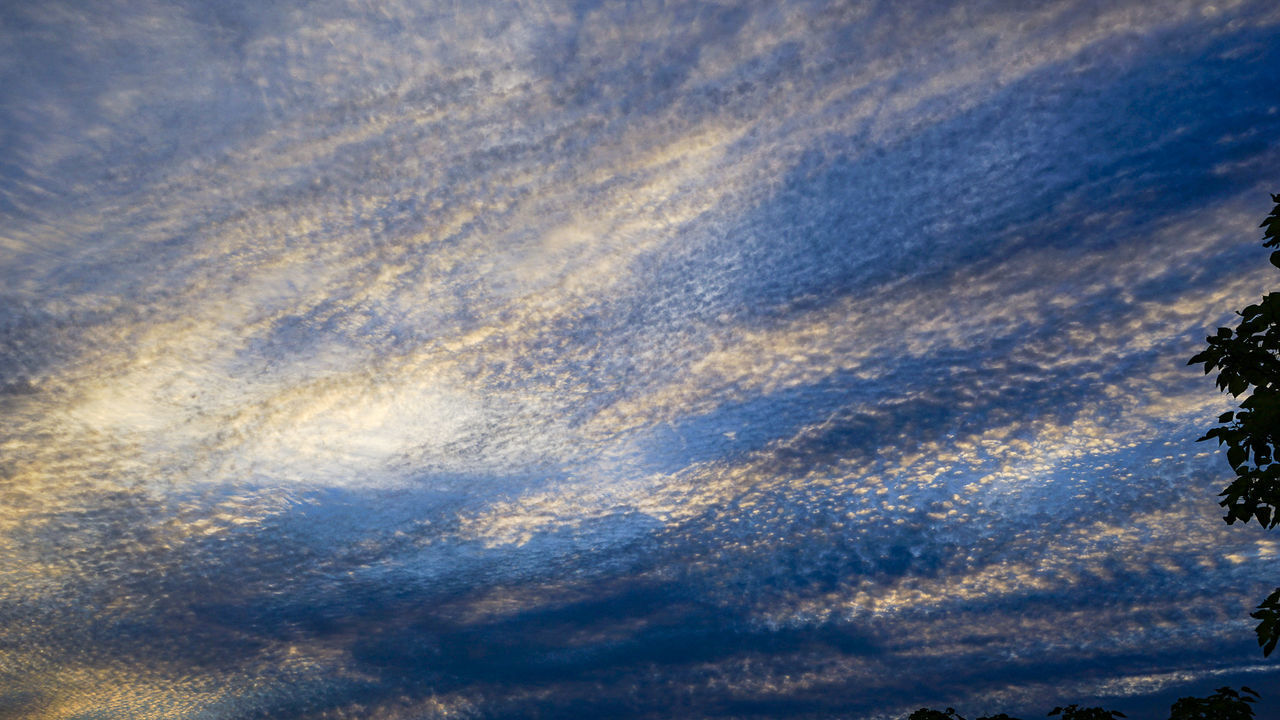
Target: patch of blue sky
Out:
[1082,158]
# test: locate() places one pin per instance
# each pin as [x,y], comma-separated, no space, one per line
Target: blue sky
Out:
[624,359]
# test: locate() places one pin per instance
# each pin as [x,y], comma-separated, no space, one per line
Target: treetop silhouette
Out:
[1224,704]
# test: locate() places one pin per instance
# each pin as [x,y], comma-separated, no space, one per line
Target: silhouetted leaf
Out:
[1236,456]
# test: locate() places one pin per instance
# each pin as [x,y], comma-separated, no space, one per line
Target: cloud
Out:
[447,361]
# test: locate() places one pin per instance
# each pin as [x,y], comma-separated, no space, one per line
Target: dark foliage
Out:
[1247,359]
[930,714]
[1223,704]
[1075,712]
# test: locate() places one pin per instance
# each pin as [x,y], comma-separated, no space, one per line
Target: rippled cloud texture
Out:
[622,359]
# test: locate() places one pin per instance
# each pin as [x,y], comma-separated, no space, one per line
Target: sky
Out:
[521,359]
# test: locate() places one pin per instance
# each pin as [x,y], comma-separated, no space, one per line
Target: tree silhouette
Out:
[950,714]
[1248,361]
[1075,712]
[930,714]
[1223,704]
